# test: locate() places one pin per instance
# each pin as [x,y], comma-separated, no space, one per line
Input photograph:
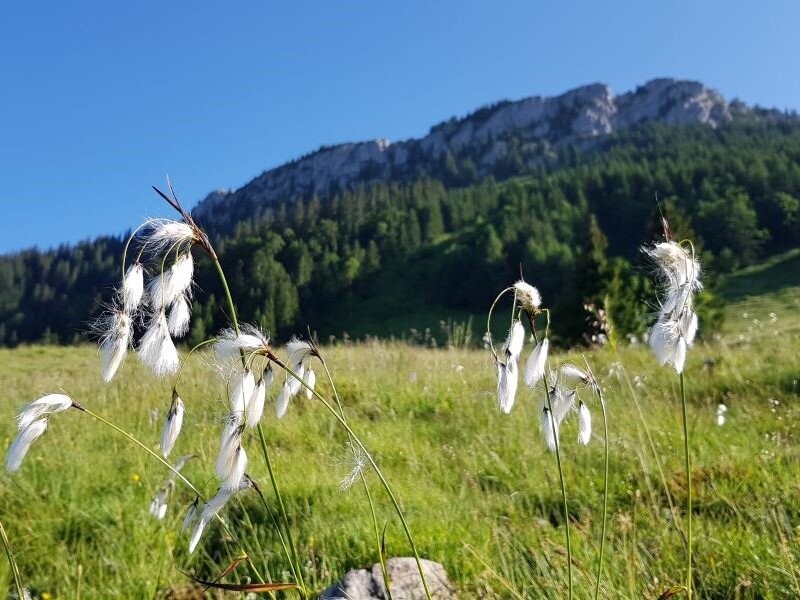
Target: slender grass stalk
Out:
[605,495]
[688,492]
[177,473]
[785,550]
[381,557]
[12,562]
[387,488]
[558,461]
[296,567]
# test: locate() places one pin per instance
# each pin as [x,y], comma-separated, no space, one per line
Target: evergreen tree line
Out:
[362,259]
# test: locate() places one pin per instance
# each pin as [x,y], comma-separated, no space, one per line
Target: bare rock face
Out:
[577,116]
[405,583]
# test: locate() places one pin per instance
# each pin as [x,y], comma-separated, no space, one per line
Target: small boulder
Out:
[404,580]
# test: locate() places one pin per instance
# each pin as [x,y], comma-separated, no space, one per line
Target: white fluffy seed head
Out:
[688,325]
[507,379]
[676,265]
[180,314]
[158,506]
[22,443]
[197,534]
[562,402]
[668,344]
[133,288]
[242,392]
[172,425]
[721,410]
[156,349]
[537,361]
[282,402]
[358,461]
[43,407]
[190,515]
[549,430]
[528,296]
[182,275]
[310,379]
[584,424]
[230,345]
[255,408]
[573,373]
[237,469]
[114,343]
[294,382]
[161,235]
[297,351]
[230,442]
[516,338]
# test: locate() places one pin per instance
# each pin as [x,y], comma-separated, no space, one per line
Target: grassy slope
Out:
[77,511]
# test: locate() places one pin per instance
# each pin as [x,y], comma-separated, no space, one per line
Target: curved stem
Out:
[688,491]
[558,459]
[12,563]
[489,318]
[296,567]
[177,473]
[605,495]
[381,558]
[387,488]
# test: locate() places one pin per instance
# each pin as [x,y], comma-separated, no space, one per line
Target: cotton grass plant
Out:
[677,271]
[560,392]
[155,294]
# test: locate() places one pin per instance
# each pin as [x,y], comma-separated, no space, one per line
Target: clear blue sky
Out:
[99,100]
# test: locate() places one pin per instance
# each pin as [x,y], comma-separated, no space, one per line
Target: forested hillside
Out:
[383,258]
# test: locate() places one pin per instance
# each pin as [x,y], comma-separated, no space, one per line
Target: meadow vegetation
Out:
[478,488]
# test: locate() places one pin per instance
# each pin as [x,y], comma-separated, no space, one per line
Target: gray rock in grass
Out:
[404,580]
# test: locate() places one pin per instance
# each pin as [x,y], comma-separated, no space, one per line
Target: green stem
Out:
[296,567]
[605,494]
[235,322]
[177,473]
[12,562]
[558,459]
[387,488]
[381,557]
[688,492]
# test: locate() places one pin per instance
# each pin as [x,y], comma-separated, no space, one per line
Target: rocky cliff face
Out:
[578,116]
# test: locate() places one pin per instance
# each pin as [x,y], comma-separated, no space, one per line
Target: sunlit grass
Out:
[471,481]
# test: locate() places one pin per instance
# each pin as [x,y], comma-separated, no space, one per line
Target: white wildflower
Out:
[179,316]
[282,402]
[528,296]
[242,392]
[310,380]
[158,506]
[721,410]
[156,349]
[584,424]
[133,288]
[516,338]
[114,343]
[236,469]
[358,462]
[229,344]
[162,235]
[22,443]
[668,344]
[294,382]
[534,368]
[574,373]
[297,351]
[562,401]
[230,443]
[688,325]
[181,277]
[43,407]
[549,431]
[255,407]
[172,424]
[507,379]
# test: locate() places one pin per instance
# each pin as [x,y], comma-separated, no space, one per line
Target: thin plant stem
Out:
[558,461]
[177,473]
[276,488]
[387,488]
[688,492]
[381,557]
[12,563]
[605,495]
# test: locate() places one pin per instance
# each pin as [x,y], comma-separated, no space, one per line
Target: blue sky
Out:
[99,100]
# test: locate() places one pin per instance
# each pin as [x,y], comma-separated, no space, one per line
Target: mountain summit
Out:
[540,125]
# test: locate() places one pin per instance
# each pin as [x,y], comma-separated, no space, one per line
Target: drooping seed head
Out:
[156,349]
[310,380]
[172,424]
[528,296]
[537,361]
[133,288]
[282,401]
[230,345]
[515,340]
[549,430]
[242,392]
[116,337]
[43,407]
[22,443]
[255,408]
[180,313]
[507,380]
[584,424]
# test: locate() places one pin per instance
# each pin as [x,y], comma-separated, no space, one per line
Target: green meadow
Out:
[479,489]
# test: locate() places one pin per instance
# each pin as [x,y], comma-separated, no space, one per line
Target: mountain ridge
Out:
[542,124]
